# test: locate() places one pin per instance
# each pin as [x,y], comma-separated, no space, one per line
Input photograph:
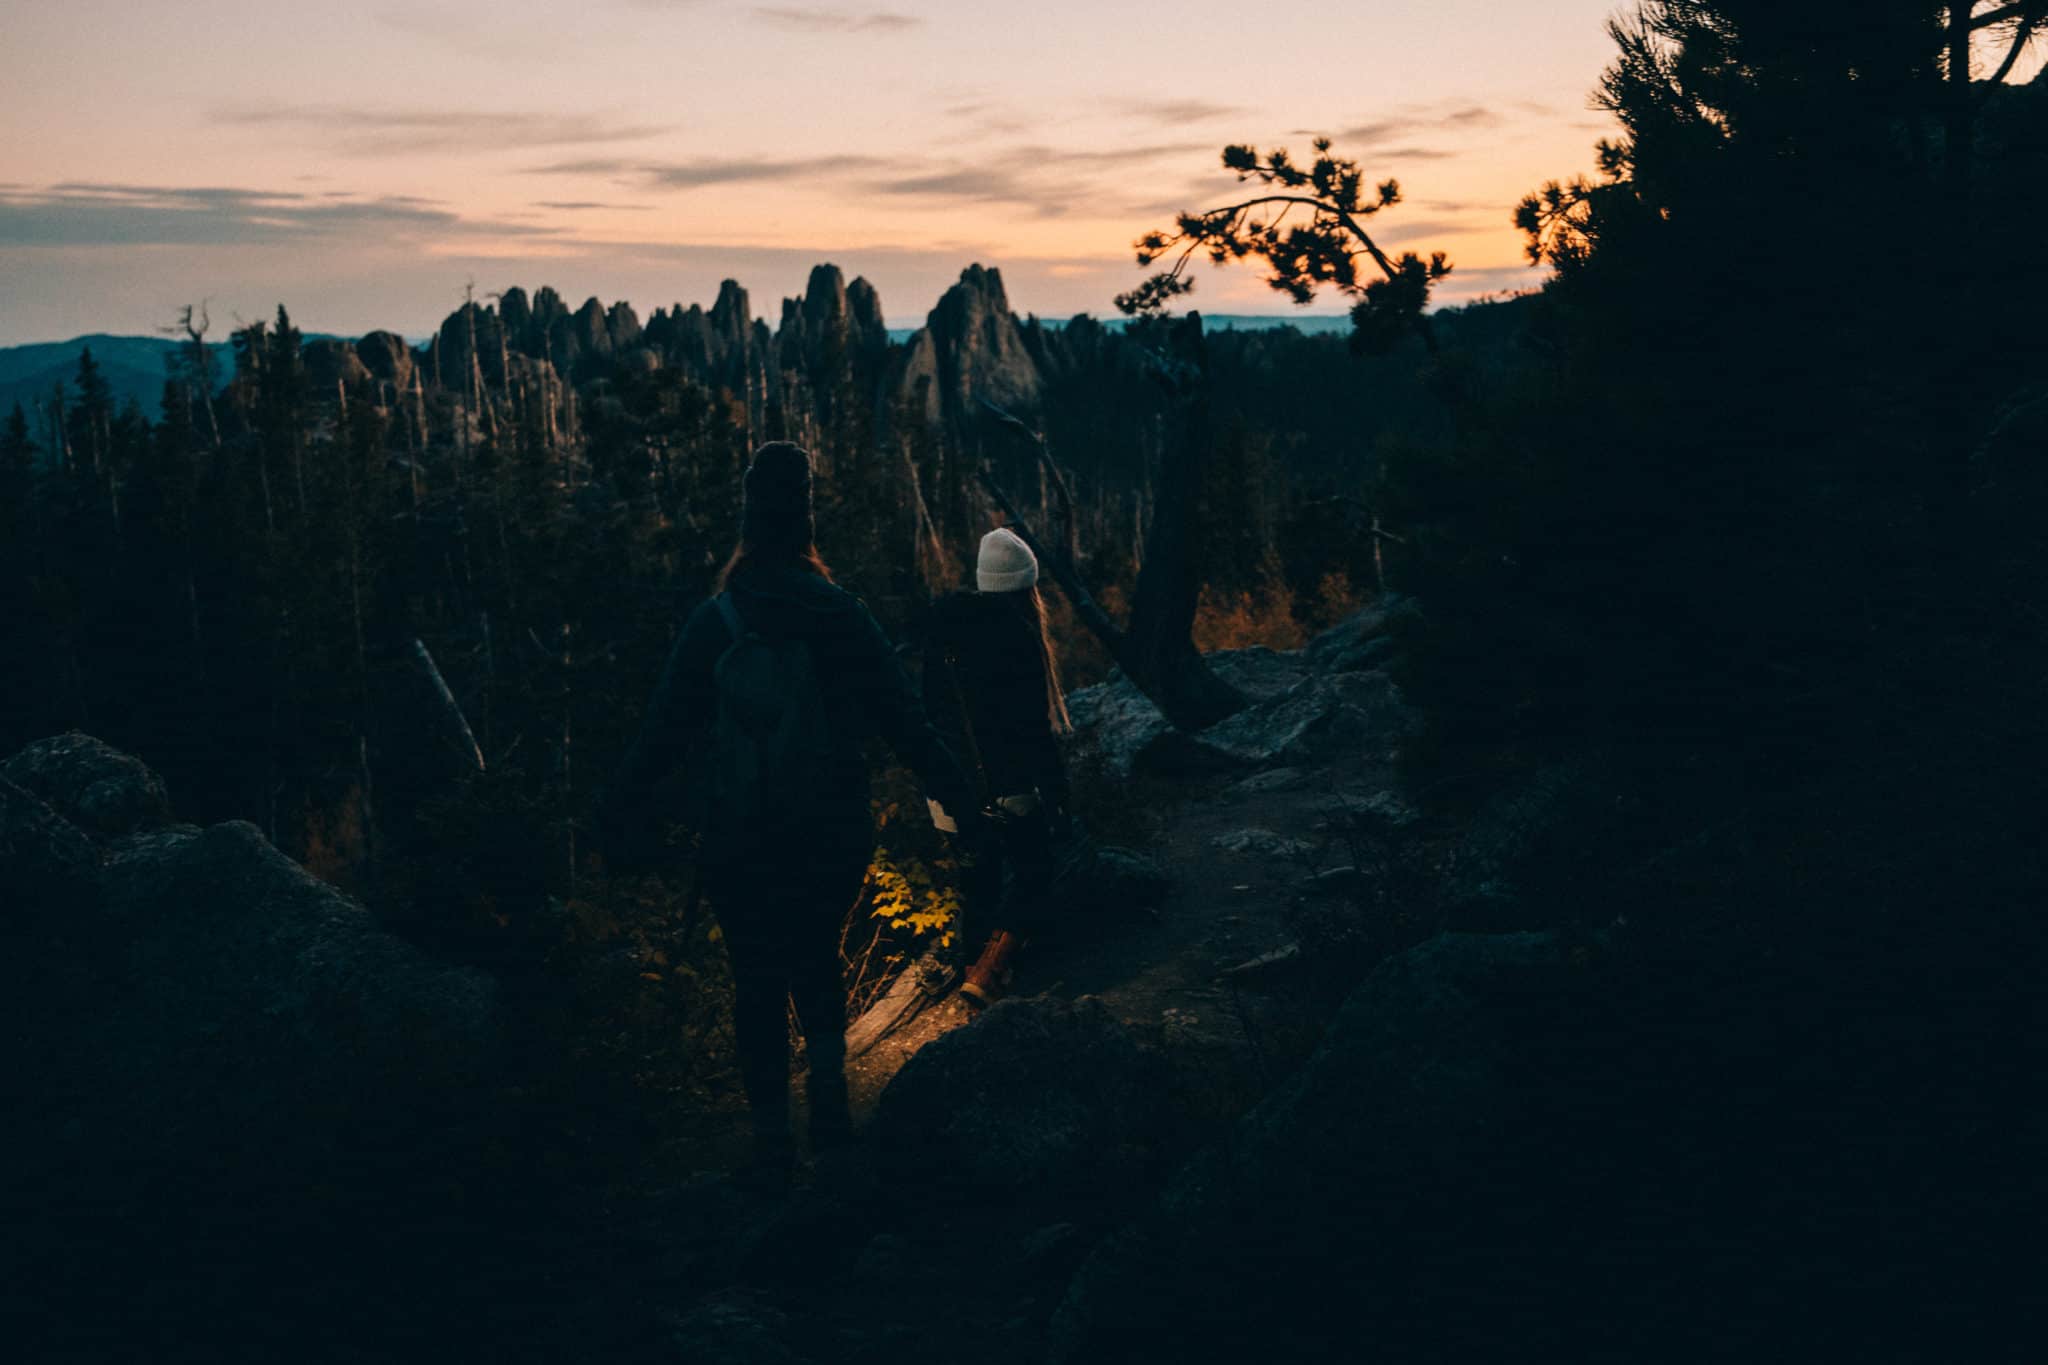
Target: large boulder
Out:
[332,363]
[388,359]
[199,1000]
[1295,715]
[1362,640]
[970,348]
[1043,1099]
[45,861]
[1296,1237]
[96,787]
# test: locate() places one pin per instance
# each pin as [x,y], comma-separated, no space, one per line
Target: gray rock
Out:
[205,994]
[1270,781]
[1051,1252]
[1281,1242]
[388,360]
[1382,812]
[1040,1098]
[93,785]
[331,362]
[734,1327]
[970,348]
[884,1261]
[1263,843]
[1362,640]
[247,962]
[1296,718]
[1334,883]
[1310,721]
[1106,879]
[46,863]
[1116,726]
[1259,673]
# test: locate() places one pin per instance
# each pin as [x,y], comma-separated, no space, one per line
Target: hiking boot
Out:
[936,978]
[990,975]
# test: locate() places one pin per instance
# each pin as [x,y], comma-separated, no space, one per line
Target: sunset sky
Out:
[360,162]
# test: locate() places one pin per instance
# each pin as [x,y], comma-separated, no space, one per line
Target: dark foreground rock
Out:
[1533,1147]
[225,1082]
[1288,1240]
[96,787]
[1043,1099]
[199,987]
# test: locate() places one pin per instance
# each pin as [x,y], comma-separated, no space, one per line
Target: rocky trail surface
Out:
[1163,1002]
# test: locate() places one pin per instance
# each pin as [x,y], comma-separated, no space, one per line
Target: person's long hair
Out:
[1031,606]
[747,554]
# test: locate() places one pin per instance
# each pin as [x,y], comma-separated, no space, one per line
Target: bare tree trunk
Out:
[458,723]
[1164,659]
[568,738]
[263,477]
[416,450]
[1156,651]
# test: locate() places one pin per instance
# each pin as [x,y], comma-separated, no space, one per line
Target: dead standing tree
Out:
[1156,650]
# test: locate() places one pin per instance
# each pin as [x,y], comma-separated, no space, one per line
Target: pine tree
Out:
[92,414]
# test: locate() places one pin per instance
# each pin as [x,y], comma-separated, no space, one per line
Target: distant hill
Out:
[134,367]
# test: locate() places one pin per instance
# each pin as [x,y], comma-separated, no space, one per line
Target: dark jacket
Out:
[996,685]
[865,695]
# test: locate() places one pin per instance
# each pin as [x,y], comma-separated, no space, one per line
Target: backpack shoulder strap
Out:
[730,614]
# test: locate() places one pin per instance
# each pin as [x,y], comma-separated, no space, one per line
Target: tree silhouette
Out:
[1332,199]
[1818,86]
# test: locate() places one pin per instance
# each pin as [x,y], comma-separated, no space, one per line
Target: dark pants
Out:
[1006,887]
[781,923]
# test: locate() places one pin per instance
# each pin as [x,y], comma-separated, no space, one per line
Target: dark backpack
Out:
[767,763]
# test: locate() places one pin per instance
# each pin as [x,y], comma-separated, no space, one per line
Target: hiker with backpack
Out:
[767,698]
[992,673]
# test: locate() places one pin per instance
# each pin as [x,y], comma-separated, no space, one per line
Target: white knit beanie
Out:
[1005,564]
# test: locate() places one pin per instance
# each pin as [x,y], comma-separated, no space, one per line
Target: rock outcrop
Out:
[388,359]
[1305,1233]
[1042,1098]
[101,790]
[331,363]
[1304,706]
[194,997]
[971,347]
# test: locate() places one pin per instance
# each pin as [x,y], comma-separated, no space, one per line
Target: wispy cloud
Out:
[1391,136]
[819,19]
[1177,111]
[370,131]
[579,205]
[1048,180]
[988,118]
[88,214]
[696,174]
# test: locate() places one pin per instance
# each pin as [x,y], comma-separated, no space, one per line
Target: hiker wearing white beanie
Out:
[1005,563]
[991,681]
